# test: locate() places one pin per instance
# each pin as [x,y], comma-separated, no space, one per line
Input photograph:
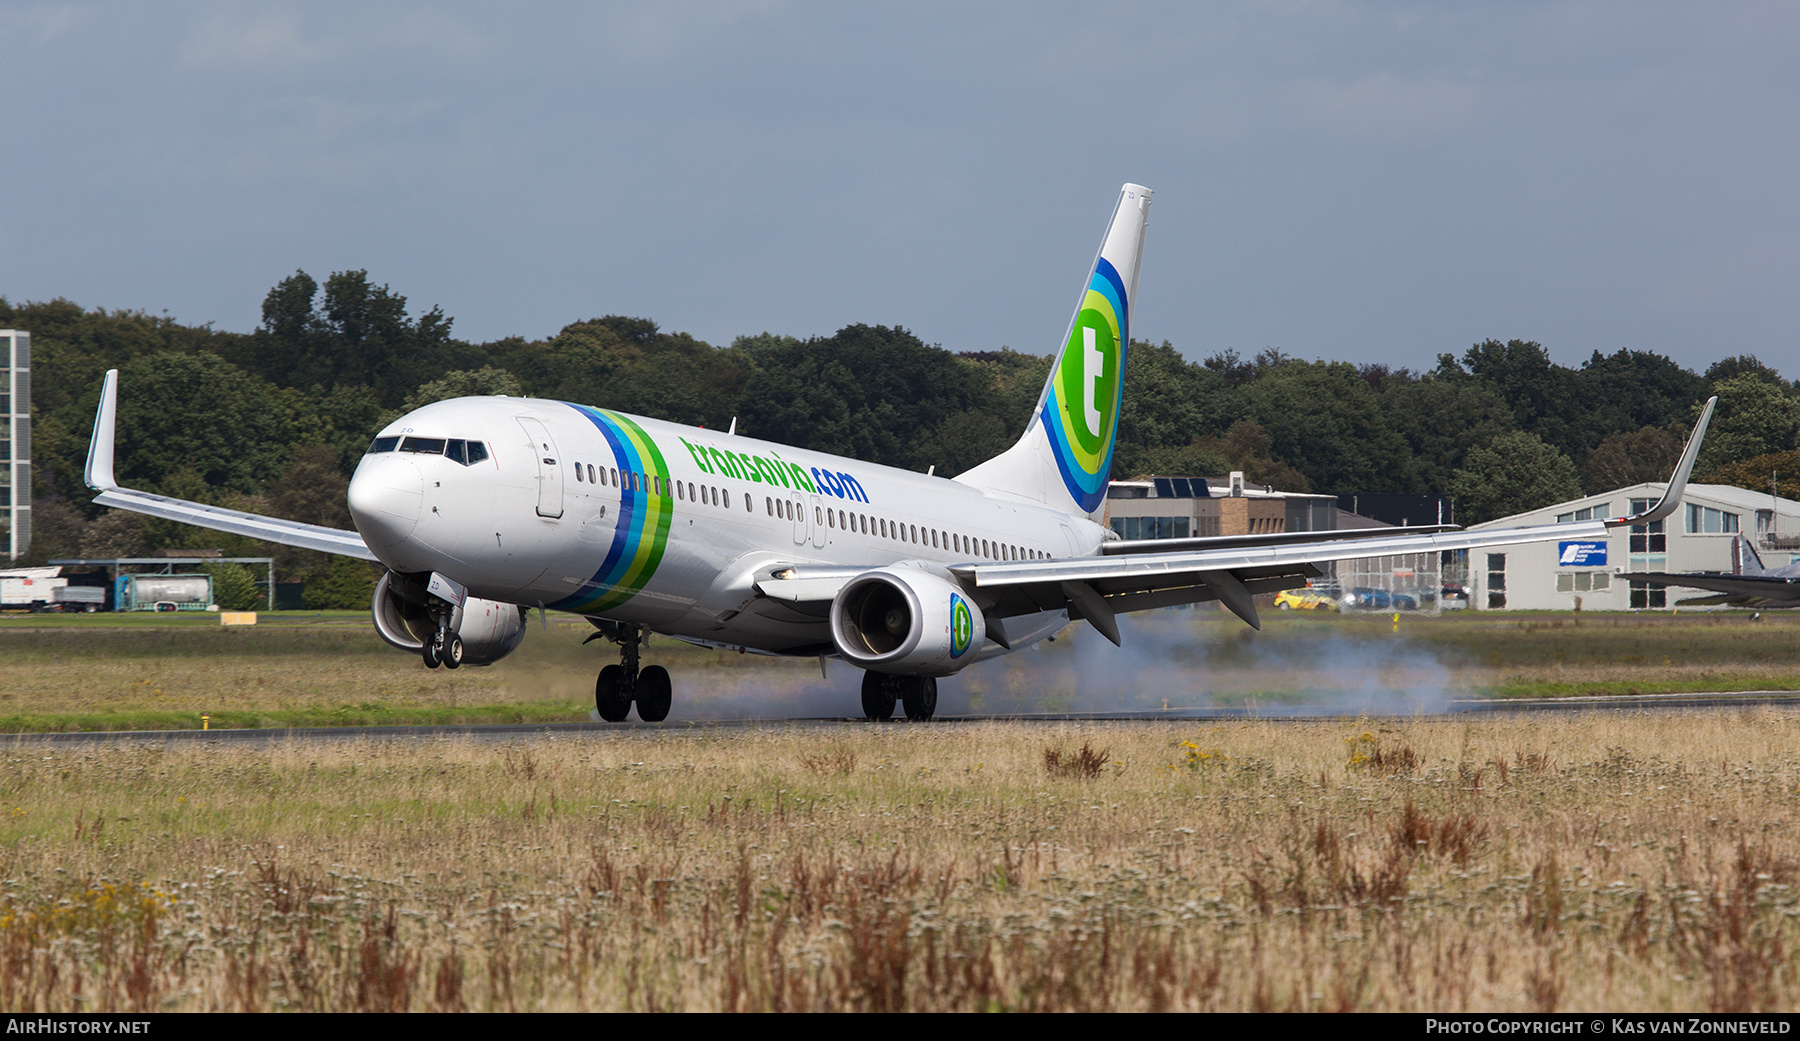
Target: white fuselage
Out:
[677,523]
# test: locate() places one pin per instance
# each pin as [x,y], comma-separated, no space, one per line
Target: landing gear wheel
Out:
[432,660]
[610,697]
[919,693]
[654,693]
[877,696]
[452,654]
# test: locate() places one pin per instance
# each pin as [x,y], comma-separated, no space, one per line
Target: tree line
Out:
[274,420]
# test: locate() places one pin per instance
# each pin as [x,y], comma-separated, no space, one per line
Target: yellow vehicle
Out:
[1306,599]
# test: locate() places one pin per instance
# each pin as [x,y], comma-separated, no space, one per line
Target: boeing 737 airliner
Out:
[483,508]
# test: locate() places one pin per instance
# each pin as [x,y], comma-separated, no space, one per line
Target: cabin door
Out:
[818,521]
[550,488]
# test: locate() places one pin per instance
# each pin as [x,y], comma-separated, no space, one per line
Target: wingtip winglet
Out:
[1678,480]
[99,472]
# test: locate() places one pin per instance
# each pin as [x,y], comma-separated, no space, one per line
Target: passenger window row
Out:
[468,453]
[706,495]
[968,545]
[586,473]
[628,480]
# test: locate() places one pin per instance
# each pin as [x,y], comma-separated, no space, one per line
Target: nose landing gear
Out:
[620,685]
[445,647]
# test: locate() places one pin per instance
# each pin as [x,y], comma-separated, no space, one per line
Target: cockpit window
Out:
[467,453]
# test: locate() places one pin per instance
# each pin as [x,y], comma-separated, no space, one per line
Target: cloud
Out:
[234,40]
[1386,105]
[41,23]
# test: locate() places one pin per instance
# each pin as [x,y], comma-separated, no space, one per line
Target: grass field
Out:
[1575,862]
[1594,862]
[104,672]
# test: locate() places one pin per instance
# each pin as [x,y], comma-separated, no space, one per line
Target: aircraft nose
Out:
[386,498]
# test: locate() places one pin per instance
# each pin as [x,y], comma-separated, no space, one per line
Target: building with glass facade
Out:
[15,442]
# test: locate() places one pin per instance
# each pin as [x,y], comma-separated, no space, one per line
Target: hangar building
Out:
[1595,575]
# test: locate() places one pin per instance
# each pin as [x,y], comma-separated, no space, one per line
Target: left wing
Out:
[99,476]
[1230,569]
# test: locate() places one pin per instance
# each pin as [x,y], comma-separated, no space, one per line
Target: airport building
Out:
[1595,574]
[15,442]
[1191,507]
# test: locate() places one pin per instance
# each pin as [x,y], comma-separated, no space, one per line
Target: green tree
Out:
[864,392]
[234,588]
[313,490]
[1169,402]
[1325,420]
[348,584]
[1440,419]
[1013,382]
[1630,390]
[628,364]
[114,533]
[1755,417]
[1649,454]
[1542,396]
[1758,473]
[1743,365]
[349,333]
[71,350]
[466,383]
[201,413]
[1245,447]
[1513,473]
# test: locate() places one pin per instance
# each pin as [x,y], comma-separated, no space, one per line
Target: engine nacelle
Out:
[906,622]
[490,630]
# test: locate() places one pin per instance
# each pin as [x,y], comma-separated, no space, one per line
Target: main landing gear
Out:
[620,685]
[916,694]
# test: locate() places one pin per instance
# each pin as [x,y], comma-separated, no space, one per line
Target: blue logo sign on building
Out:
[1581,554]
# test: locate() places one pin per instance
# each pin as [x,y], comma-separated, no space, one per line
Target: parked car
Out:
[1306,599]
[1364,598]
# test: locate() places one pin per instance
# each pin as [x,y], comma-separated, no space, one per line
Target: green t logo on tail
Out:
[1081,416]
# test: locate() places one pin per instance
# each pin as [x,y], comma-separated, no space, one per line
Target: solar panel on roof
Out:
[1164,489]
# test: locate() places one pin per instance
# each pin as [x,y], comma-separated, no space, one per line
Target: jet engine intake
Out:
[905,622]
[489,630]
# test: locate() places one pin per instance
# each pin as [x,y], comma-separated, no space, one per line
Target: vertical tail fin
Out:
[1065,457]
[1749,561]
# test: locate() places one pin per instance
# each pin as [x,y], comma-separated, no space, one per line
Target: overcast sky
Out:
[1365,182]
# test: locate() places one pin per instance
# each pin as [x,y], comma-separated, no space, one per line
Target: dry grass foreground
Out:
[1642,862]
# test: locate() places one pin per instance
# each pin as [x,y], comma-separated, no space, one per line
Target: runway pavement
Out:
[1715,701]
